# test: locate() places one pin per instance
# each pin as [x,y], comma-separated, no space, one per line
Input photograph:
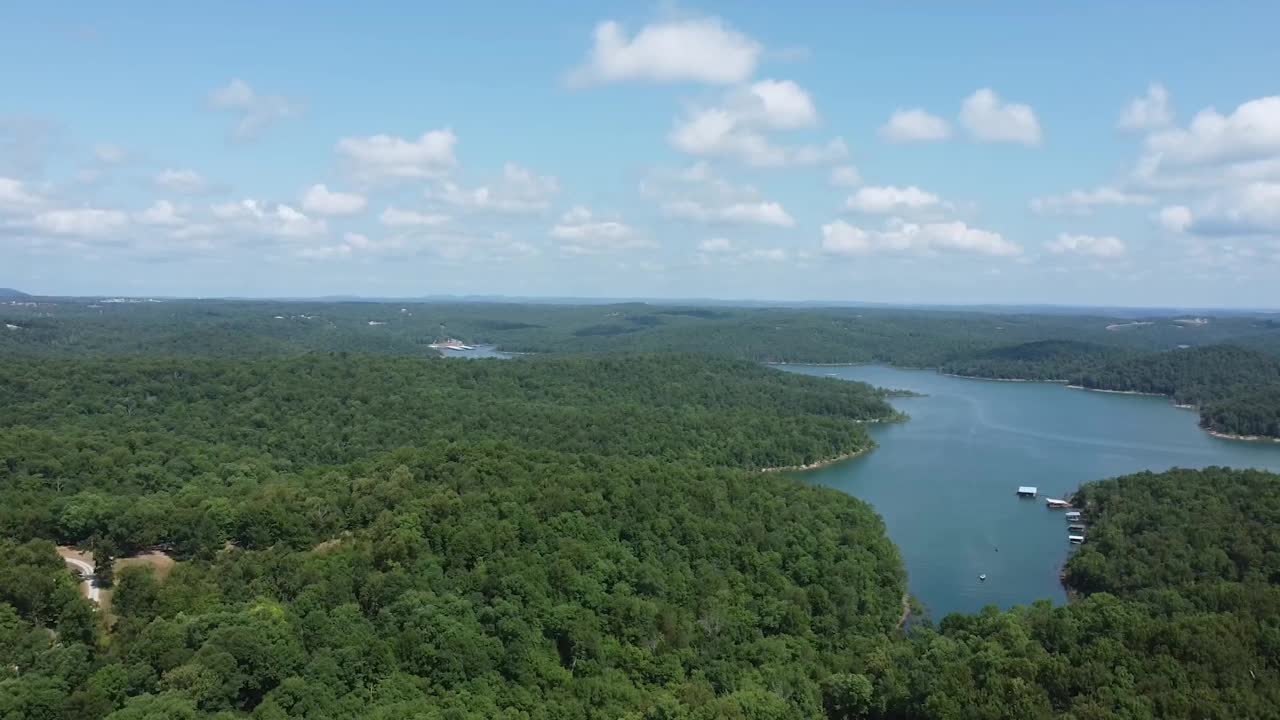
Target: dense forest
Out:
[374,532]
[906,337]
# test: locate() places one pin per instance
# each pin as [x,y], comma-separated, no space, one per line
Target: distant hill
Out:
[12,294]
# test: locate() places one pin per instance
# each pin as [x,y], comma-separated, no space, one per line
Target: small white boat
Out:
[983,577]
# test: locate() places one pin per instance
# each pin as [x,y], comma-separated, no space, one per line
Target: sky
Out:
[1084,153]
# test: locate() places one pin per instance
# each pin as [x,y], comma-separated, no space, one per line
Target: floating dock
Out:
[1027,491]
[1057,504]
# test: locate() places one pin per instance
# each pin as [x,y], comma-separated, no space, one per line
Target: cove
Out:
[945,480]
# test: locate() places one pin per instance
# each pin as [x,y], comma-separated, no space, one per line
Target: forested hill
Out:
[395,538]
[11,294]
[1050,360]
[1178,616]
[338,409]
[1236,390]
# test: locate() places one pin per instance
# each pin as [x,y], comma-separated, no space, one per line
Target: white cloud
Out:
[584,234]
[697,193]
[1250,132]
[1083,202]
[890,199]
[256,112]
[989,119]
[1175,218]
[695,50]
[396,217]
[915,125]
[736,128]
[718,132]
[81,222]
[109,154]
[1149,112]
[1090,245]
[845,176]
[520,190]
[182,181]
[716,245]
[1252,209]
[161,212]
[779,104]
[746,213]
[386,157]
[282,221]
[320,200]
[14,195]
[841,238]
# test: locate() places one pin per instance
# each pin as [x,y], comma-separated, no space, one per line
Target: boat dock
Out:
[1027,491]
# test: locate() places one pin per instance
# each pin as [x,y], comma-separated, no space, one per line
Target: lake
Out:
[945,480]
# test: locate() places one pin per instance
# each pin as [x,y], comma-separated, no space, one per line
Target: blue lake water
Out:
[945,480]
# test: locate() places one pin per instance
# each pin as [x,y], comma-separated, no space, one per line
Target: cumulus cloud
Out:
[719,132]
[255,112]
[1252,209]
[519,190]
[779,104]
[905,126]
[1083,202]
[746,213]
[250,217]
[80,222]
[396,217]
[1089,245]
[581,233]
[845,176]
[382,157]
[898,236]
[15,196]
[1149,112]
[737,127]
[989,119]
[181,181]
[697,193]
[1250,132]
[700,50]
[319,199]
[893,200]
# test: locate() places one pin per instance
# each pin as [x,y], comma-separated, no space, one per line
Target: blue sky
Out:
[1090,153]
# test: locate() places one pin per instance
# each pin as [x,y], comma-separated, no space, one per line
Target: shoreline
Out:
[1242,438]
[1012,380]
[1117,392]
[815,465]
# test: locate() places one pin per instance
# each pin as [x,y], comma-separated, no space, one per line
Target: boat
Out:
[1057,504]
[982,577]
[1076,539]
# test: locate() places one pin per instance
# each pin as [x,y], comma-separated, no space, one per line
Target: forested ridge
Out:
[393,537]
[1235,389]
